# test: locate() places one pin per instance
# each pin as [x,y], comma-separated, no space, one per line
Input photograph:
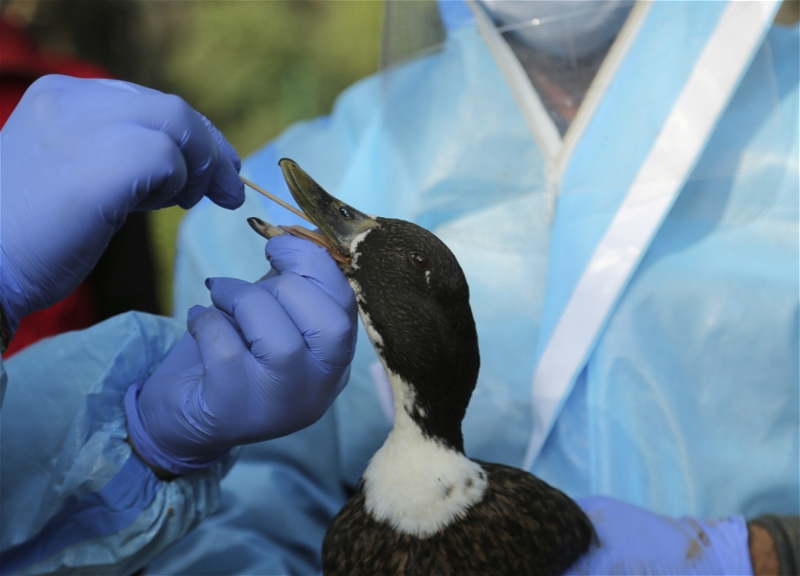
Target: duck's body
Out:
[423,507]
[520,526]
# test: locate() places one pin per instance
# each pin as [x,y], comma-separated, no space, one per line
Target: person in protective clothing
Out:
[634,287]
[619,182]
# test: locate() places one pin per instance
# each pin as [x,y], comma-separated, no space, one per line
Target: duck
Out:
[422,506]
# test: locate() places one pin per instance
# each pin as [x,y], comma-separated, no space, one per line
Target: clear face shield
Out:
[560,45]
[562,50]
[431,110]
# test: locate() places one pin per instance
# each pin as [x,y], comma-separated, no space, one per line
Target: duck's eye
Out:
[419,260]
[344,212]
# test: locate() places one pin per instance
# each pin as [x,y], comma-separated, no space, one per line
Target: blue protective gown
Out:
[687,400]
[684,399]
[74,499]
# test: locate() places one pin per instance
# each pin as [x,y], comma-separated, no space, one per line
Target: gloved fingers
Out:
[80,95]
[271,273]
[224,145]
[121,86]
[218,340]
[226,189]
[636,541]
[327,328]
[273,338]
[158,166]
[595,505]
[290,254]
[219,407]
[184,355]
[212,165]
[209,169]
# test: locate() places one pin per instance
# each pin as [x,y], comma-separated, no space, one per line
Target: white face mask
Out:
[561,27]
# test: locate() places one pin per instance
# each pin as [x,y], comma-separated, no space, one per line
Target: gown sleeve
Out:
[74,497]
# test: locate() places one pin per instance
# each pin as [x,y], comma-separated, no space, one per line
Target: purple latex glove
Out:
[634,541]
[77,156]
[266,361]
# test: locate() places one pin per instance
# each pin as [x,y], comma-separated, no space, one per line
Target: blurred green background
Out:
[252,67]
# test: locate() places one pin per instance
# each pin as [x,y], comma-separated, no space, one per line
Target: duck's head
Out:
[413,299]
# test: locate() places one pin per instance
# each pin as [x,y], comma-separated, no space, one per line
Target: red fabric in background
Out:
[21,63]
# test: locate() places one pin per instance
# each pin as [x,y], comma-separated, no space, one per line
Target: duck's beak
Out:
[340,223]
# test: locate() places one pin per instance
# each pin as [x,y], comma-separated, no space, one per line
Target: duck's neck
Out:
[420,480]
[436,419]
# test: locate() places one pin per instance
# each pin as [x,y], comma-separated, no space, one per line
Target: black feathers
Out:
[416,298]
[424,319]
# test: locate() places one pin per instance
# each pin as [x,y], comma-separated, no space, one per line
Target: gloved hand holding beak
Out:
[266,360]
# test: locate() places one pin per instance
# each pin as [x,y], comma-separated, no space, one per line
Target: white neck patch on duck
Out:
[353,248]
[414,482]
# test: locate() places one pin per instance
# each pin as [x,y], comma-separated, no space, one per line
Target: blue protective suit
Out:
[685,399]
[73,498]
[680,395]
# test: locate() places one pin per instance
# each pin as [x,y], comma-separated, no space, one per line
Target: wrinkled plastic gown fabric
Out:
[74,499]
[688,403]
